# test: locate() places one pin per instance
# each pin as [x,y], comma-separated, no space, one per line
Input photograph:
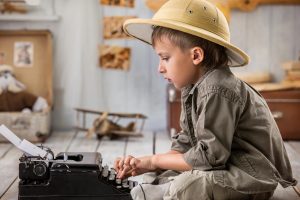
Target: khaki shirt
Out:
[227,127]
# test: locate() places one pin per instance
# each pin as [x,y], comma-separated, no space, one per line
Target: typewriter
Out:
[70,176]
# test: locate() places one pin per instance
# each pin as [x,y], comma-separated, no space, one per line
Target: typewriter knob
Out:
[39,169]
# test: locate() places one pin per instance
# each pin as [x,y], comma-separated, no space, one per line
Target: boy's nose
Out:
[161,68]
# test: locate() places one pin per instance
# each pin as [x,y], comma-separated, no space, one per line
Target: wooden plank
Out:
[296,31]
[282,40]
[289,193]
[284,193]
[258,41]
[9,169]
[294,159]
[295,145]
[4,148]
[12,192]
[83,144]
[162,142]
[111,79]
[140,146]
[293,149]
[125,115]
[59,141]
[111,149]
[238,35]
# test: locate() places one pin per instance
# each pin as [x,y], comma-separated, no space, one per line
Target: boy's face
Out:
[176,65]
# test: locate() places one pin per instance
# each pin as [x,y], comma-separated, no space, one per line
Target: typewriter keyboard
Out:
[109,176]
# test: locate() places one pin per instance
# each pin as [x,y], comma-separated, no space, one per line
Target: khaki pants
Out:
[191,185]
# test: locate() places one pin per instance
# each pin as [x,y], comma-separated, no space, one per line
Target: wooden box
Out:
[284,104]
[37,78]
[285,107]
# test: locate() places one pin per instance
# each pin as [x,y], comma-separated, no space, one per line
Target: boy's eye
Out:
[165,58]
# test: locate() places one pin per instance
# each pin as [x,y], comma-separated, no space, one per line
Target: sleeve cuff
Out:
[180,143]
[197,159]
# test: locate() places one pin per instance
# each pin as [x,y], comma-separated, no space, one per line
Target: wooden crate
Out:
[37,78]
[284,104]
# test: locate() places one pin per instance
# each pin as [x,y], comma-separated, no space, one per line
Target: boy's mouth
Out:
[168,79]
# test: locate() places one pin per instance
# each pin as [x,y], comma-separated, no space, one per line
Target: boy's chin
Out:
[178,87]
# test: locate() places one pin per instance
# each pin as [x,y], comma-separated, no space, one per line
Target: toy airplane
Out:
[107,124]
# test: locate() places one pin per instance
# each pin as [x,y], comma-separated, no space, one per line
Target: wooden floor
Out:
[110,149]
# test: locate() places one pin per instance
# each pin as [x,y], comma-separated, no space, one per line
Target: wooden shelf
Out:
[31,18]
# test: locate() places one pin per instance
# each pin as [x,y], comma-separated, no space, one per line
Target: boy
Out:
[229,146]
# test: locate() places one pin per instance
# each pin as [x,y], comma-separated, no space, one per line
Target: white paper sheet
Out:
[23,145]
[8,134]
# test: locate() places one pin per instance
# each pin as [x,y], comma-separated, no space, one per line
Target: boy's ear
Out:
[197,55]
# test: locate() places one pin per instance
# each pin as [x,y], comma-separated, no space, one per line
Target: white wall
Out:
[270,35]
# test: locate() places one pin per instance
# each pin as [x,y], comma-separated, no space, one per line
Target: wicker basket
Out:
[34,127]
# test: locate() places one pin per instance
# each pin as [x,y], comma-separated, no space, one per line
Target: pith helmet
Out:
[196,17]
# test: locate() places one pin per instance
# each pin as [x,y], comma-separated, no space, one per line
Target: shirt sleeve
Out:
[181,141]
[215,127]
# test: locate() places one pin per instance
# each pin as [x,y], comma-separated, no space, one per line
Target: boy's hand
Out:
[131,166]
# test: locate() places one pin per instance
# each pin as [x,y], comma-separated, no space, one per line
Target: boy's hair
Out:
[214,54]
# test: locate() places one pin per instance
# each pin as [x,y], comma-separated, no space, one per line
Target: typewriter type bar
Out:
[76,176]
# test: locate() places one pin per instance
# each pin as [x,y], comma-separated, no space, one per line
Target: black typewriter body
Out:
[76,176]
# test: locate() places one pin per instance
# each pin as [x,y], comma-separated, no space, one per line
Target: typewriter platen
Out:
[76,176]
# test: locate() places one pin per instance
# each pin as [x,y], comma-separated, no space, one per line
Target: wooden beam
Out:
[227,5]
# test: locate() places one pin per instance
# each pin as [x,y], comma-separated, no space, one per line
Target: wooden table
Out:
[110,149]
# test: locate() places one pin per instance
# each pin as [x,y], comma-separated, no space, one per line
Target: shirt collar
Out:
[191,88]
[194,86]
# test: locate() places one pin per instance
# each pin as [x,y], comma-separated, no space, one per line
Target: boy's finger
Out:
[121,163]
[128,159]
[126,169]
[116,163]
[133,173]
[133,162]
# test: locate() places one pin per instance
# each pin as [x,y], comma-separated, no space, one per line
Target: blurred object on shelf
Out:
[254,77]
[17,6]
[123,3]
[113,27]
[273,86]
[114,57]
[292,73]
[10,7]
[292,70]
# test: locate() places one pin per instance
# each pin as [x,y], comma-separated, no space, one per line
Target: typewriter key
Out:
[130,185]
[119,187]
[105,171]
[118,181]
[112,177]
[125,183]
